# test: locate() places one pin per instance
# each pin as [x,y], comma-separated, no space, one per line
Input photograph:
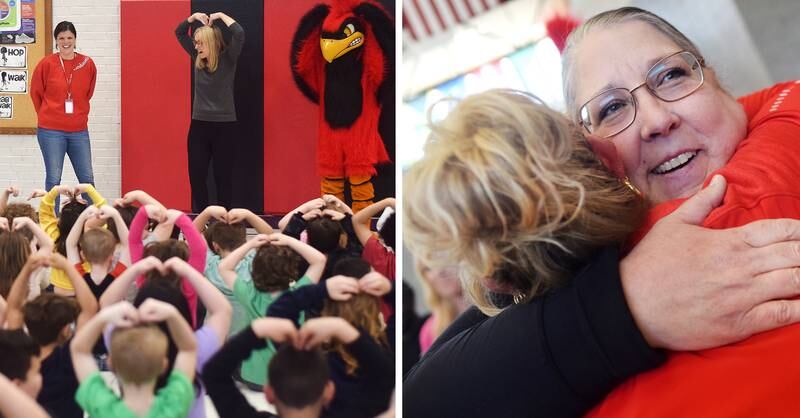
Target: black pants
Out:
[211,141]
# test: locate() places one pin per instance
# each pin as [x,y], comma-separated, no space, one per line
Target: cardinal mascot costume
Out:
[342,58]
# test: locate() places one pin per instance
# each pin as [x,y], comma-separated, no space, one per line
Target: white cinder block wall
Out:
[97,24]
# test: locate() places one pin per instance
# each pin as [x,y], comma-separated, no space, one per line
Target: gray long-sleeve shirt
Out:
[213,92]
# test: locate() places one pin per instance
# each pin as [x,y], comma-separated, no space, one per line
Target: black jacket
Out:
[556,356]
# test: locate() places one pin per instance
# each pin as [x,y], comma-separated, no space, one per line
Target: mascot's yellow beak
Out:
[335,48]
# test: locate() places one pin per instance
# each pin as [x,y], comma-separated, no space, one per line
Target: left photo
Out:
[197,208]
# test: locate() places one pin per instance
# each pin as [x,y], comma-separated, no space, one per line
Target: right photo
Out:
[600,208]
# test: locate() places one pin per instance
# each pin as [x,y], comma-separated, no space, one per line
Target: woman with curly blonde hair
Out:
[511,190]
[510,198]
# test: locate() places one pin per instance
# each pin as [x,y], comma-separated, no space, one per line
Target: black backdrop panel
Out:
[385,180]
[248,140]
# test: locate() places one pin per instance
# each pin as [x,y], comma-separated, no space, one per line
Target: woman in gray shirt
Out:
[213,110]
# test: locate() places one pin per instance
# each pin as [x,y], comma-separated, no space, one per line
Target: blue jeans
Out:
[54,145]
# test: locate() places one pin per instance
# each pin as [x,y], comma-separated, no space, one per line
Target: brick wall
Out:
[97,23]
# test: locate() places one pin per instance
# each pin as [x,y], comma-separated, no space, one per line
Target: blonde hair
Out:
[604,20]
[97,245]
[509,190]
[443,310]
[138,354]
[212,38]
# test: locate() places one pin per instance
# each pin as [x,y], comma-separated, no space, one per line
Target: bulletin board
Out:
[25,39]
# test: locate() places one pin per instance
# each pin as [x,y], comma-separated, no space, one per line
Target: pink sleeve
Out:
[191,298]
[135,244]
[196,242]
[197,259]
[426,337]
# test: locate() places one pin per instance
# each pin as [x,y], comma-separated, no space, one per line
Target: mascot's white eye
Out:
[349,29]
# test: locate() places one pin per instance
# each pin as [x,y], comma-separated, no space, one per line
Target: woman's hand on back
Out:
[692,288]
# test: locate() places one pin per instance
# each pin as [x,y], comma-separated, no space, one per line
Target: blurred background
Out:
[453,48]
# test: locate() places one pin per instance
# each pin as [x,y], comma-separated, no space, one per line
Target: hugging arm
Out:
[583,340]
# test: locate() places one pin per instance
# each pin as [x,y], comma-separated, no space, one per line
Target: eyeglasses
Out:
[670,79]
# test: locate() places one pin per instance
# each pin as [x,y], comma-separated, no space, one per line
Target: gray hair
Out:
[604,20]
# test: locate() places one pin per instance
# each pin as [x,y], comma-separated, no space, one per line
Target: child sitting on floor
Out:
[209,337]
[20,361]
[57,227]
[97,247]
[193,250]
[15,247]
[276,269]
[223,237]
[299,375]
[50,320]
[328,226]
[378,250]
[352,294]
[138,355]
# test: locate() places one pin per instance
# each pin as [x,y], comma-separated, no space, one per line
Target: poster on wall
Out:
[6,107]
[22,45]
[13,56]
[13,81]
[17,22]
[10,16]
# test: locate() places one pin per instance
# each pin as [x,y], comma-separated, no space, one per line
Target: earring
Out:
[519,297]
[627,182]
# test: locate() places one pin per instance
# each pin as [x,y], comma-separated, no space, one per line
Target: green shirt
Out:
[173,400]
[256,303]
[239,319]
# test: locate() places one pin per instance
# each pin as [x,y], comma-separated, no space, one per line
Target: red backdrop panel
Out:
[156,100]
[290,120]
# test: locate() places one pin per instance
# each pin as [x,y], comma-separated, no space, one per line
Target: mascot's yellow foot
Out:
[334,186]
[362,190]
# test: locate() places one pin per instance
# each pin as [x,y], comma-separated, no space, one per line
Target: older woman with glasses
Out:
[656,115]
[667,140]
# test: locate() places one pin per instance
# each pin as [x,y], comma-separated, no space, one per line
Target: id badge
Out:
[68,106]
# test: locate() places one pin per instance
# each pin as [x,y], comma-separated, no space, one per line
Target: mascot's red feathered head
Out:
[341,50]
[342,31]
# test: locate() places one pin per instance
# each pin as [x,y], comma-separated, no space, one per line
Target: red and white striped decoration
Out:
[423,19]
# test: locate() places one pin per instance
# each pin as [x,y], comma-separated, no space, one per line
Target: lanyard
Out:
[68,79]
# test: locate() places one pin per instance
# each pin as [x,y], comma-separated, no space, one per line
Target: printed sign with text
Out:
[13,81]
[6,107]
[13,56]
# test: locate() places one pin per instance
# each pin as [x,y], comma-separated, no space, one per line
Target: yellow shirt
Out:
[49,222]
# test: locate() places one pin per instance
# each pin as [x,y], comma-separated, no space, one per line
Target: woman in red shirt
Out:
[61,87]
